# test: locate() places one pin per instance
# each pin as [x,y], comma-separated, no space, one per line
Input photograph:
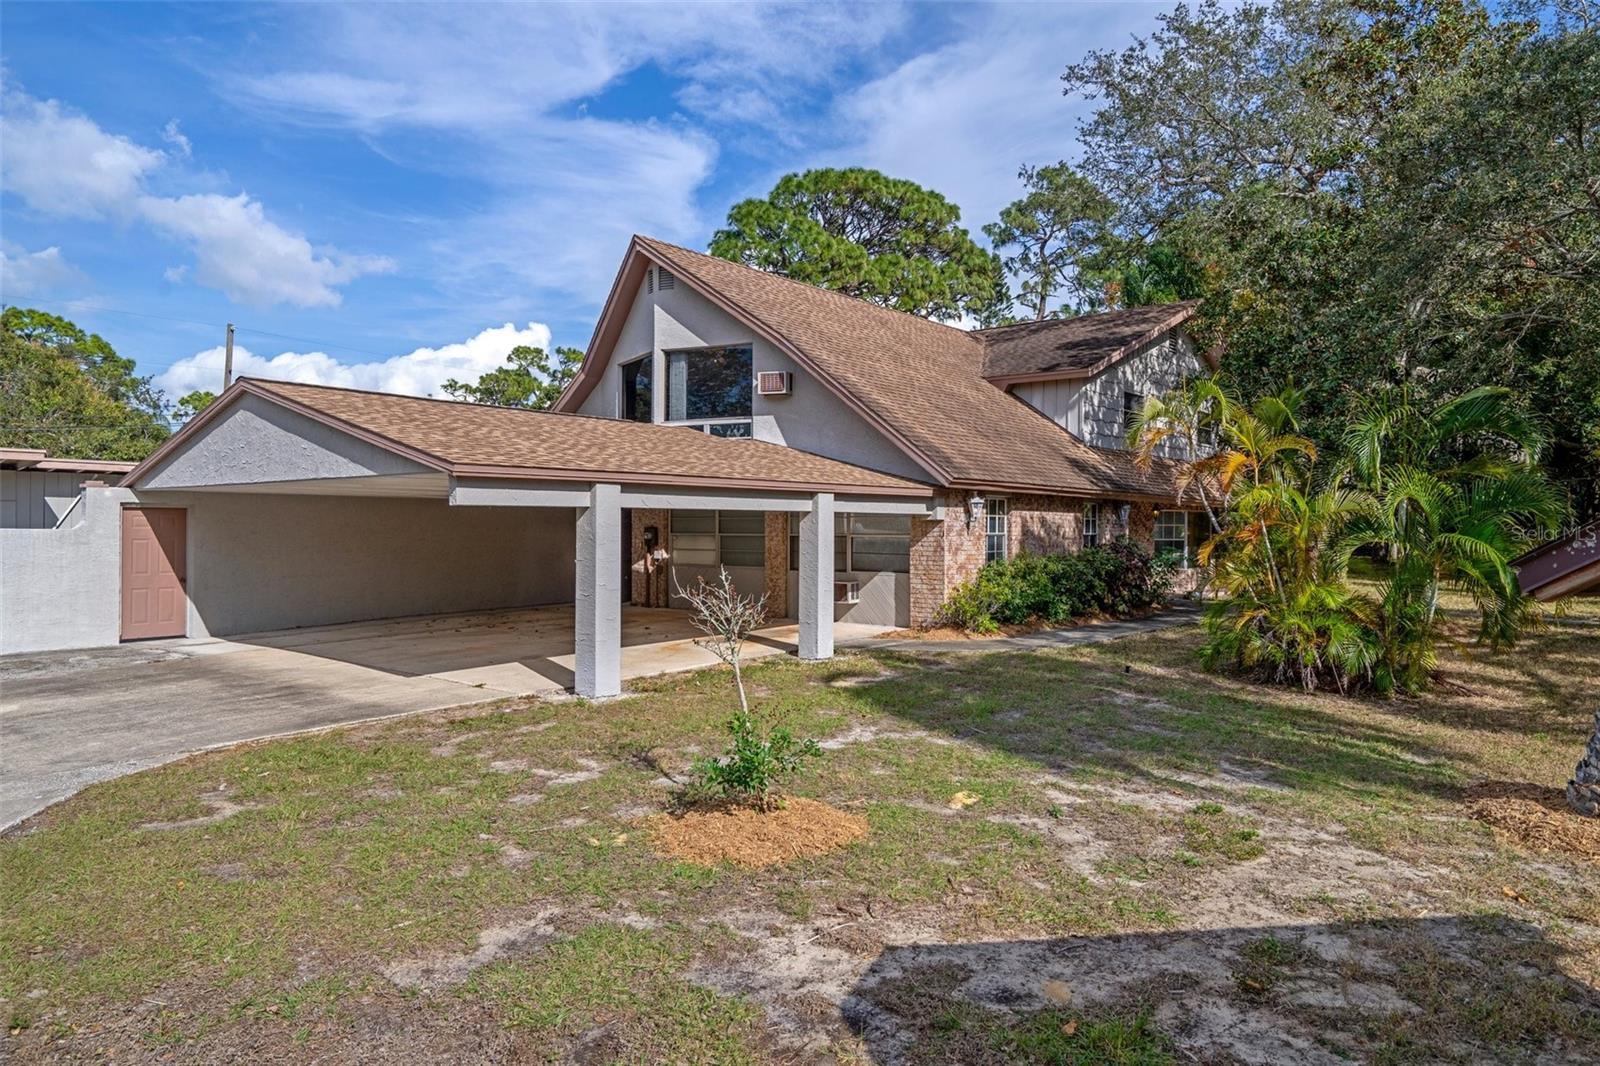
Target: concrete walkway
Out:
[1089,633]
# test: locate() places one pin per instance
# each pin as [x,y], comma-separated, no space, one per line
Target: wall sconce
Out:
[975,505]
[1123,510]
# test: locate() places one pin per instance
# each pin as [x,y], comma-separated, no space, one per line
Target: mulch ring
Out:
[1534,817]
[747,837]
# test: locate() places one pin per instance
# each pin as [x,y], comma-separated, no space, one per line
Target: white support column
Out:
[597,598]
[816,579]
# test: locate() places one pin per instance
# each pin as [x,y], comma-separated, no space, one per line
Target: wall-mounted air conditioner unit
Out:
[847,592]
[774,383]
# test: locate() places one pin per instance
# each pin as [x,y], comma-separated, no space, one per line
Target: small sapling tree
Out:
[758,757]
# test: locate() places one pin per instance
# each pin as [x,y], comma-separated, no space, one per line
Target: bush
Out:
[756,762]
[1116,579]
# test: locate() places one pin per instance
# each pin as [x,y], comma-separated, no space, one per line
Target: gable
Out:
[255,441]
[811,418]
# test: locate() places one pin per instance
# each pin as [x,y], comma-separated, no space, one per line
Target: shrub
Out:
[1115,579]
[756,762]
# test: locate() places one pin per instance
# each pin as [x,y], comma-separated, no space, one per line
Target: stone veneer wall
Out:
[776,572]
[641,592]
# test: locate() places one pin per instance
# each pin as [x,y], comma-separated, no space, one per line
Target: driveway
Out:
[68,719]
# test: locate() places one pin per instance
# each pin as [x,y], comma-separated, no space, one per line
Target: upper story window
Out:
[1091,525]
[637,393]
[1132,407]
[711,387]
[997,532]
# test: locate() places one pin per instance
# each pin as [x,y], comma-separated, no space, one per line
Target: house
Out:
[1566,566]
[853,463]
[39,490]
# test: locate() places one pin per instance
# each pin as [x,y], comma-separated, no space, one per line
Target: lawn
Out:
[1162,865]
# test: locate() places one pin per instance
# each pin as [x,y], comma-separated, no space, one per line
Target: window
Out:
[1091,525]
[1132,407]
[996,513]
[710,385]
[1172,534]
[862,543]
[713,538]
[637,395]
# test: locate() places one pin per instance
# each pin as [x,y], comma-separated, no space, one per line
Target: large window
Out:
[862,543]
[713,538]
[997,521]
[1172,534]
[637,393]
[1091,525]
[711,387]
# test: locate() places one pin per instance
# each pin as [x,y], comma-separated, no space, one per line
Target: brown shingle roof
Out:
[1075,347]
[480,440]
[920,381]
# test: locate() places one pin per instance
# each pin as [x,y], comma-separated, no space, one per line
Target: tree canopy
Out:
[1371,194]
[70,393]
[529,379]
[867,235]
[1052,235]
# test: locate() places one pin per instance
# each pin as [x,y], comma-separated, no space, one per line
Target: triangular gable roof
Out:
[478,440]
[919,382]
[1075,347]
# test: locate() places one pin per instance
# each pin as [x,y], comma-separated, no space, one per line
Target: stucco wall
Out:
[59,587]
[273,562]
[810,419]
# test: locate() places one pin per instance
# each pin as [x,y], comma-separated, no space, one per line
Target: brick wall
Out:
[650,583]
[1045,525]
[943,555]
[777,564]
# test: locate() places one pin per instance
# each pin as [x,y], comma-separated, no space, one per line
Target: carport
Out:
[286,506]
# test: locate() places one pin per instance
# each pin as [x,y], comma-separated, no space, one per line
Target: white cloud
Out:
[174,136]
[176,274]
[418,373]
[25,274]
[509,87]
[251,259]
[963,118]
[65,164]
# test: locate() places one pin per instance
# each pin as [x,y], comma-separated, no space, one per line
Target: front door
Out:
[154,602]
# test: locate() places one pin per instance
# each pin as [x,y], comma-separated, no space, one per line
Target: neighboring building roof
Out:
[919,382]
[1075,347]
[39,459]
[478,440]
[1562,567]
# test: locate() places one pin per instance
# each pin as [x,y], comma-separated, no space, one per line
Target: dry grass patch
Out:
[754,839]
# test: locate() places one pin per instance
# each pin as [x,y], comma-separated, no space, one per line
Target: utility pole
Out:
[227,361]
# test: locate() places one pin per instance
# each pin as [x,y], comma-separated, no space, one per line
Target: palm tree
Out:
[1458,498]
[1583,791]
[1192,414]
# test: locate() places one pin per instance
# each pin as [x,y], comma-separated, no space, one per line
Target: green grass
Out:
[1122,793]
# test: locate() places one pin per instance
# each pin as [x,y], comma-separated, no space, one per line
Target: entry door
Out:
[154,603]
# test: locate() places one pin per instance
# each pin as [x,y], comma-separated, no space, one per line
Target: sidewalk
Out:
[1177,614]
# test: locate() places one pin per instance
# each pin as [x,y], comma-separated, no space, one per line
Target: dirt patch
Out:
[222,809]
[1535,817]
[753,839]
[500,941]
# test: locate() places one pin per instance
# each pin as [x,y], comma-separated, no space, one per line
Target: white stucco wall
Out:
[810,419]
[59,587]
[1092,409]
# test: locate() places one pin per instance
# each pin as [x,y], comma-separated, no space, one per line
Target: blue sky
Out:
[389,195]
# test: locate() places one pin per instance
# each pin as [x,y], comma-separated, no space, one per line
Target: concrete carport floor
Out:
[68,719]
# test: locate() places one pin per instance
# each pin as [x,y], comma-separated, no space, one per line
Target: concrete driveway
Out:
[68,719]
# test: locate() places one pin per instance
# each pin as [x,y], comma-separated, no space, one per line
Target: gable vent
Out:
[664,279]
[650,281]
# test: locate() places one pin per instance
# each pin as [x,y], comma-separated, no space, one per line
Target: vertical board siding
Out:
[36,499]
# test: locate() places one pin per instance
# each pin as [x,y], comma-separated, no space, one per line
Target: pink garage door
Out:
[154,603]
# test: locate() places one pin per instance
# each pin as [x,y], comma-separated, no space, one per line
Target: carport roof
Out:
[479,440]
